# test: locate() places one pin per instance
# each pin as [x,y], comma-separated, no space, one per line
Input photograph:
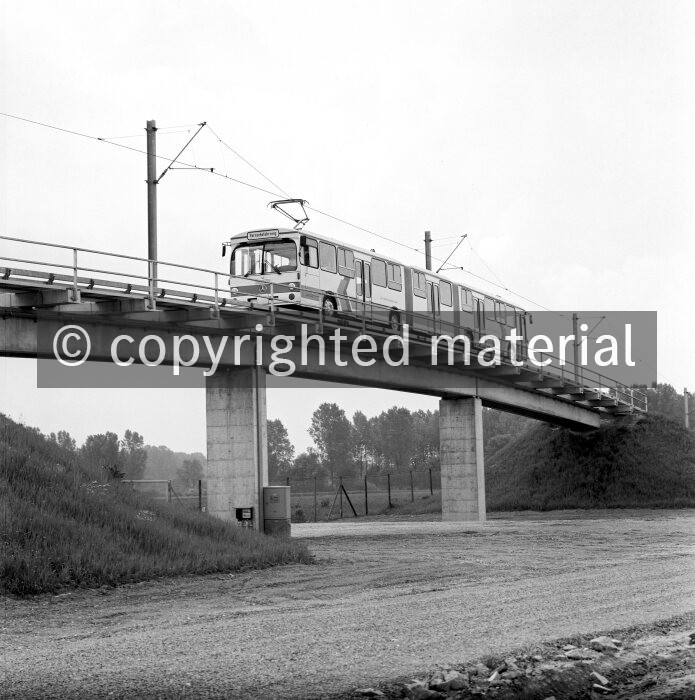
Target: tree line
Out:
[394,440]
[129,458]
[401,440]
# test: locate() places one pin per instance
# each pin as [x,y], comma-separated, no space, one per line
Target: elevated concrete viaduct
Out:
[34,308]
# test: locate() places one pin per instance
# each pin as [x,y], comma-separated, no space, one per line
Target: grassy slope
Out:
[650,463]
[63,527]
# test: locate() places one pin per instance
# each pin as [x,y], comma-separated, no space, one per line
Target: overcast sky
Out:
[557,135]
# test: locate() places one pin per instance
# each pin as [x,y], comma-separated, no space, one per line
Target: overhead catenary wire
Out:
[275,194]
[259,189]
[251,165]
[138,150]
[499,284]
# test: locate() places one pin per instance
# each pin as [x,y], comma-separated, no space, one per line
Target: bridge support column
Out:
[237,442]
[462,460]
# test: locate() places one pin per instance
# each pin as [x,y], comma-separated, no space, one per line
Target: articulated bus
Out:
[310,270]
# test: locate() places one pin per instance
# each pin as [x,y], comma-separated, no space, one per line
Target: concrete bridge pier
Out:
[237,444]
[462,460]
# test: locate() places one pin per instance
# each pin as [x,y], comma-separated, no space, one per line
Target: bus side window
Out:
[346,262]
[489,306]
[419,284]
[378,272]
[327,257]
[393,273]
[466,300]
[309,253]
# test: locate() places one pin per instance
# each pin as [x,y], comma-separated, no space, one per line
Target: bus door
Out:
[433,310]
[309,266]
[479,319]
[363,289]
[521,330]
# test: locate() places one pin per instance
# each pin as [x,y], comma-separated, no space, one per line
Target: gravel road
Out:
[385,599]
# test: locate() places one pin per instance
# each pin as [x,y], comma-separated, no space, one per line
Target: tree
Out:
[426,439]
[308,465]
[133,454]
[190,473]
[126,457]
[331,432]
[102,450]
[362,441]
[65,440]
[664,399]
[394,438]
[280,451]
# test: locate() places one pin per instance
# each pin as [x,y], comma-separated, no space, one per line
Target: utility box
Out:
[276,510]
[244,517]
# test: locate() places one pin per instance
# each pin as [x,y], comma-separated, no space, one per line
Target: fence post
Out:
[168,491]
[340,488]
[315,505]
[288,480]
[200,495]
[388,485]
[431,489]
[412,490]
[366,498]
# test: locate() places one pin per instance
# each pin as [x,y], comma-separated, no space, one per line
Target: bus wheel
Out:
[394,321]
[329,307]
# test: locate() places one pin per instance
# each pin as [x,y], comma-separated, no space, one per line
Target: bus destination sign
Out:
[255,235]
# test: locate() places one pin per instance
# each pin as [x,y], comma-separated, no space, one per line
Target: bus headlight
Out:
[292,285]
[235,290]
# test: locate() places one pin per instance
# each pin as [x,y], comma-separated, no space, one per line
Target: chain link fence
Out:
[314,500]
[162,490]
[318,499]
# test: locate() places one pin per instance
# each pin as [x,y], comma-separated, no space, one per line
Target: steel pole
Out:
[575,332]
[152,200]
[428,250]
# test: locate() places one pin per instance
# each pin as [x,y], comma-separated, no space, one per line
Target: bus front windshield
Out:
[265,257]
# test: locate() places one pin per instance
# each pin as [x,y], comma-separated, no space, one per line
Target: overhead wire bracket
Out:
[465,235]
[278,205]
[166,170]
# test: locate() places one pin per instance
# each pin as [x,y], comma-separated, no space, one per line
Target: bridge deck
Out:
[203,305]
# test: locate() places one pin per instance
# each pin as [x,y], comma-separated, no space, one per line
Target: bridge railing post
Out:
[217,296]
[74,272]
